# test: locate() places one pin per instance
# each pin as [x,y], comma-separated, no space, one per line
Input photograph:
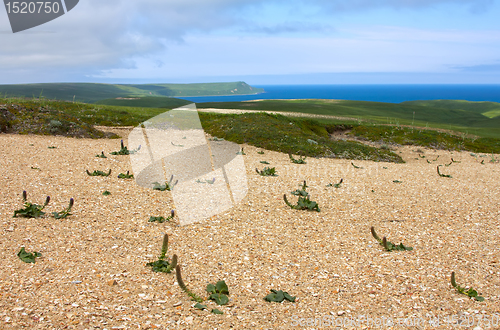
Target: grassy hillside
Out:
[273,132]
[206,89]
[91,92]
[407,113]
[488,109]
[146,102]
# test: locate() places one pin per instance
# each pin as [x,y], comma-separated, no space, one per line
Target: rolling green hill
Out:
[91,92]
[269,131]
[488,109]
[146,102]
[469,120]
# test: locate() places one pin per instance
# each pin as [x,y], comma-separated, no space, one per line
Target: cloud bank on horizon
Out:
[271,41]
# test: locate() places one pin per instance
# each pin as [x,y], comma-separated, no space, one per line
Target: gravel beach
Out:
[93,274]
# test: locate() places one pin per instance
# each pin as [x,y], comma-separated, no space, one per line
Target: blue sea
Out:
[377,93]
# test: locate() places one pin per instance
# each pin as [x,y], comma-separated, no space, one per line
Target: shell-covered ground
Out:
[93,274]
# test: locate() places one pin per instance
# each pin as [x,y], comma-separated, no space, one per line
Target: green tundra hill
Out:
[476,118]
[93,92]
[300,136]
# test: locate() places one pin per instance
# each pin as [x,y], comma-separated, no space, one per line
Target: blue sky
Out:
[260,42]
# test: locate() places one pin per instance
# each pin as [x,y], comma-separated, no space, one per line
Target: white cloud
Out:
[120,35]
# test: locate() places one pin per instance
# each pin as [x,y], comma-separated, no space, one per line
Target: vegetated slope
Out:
[30,117]
[146,102]
[200,89]
[93,92]
[388,113]
[273,132]
[488,109]
[88,92]
[289,135]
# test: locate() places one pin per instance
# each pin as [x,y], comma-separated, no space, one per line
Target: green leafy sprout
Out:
[218,292]
[443,175]
[165,186]
[388,246]
[206,181]
[162,219]
[123,150]
[303,203]
[355,165]
[301,160]
[184,287]
[336,185]
[101,155]
[162,265]
[98,173]
[469,292]
[267,171]
[28,257]
[64,213]
[106,193]
[125,175]
[31,210]
[241,152]
[279,296]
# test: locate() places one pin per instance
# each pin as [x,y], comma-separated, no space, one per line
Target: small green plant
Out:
[106,193]
[279,296]
[302,191]
[428,162]
[443,175]
[469,292]
[301,160]
[264,162]
[123,150]
[421,156]
[206,181]
[125,175]
[101,155]
[35,168]
[31,210]
[184,287]
[260,152]
[162,219]
[200,306]
[218,292]
[388,246]
[267,171]
[51,147]
[162,265]
[397,181]
[28,257]
[64,213]
[177,145]
[336,185]
[241,152]
[455,161]
[435,160]
[99,173]
[303,203]
[355,165]
[166,186]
